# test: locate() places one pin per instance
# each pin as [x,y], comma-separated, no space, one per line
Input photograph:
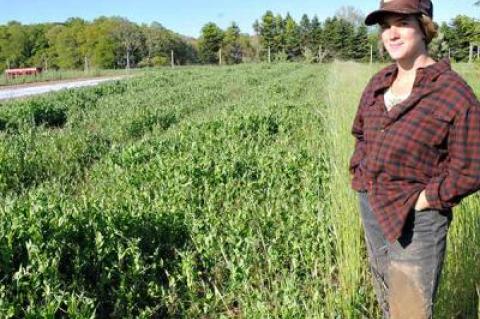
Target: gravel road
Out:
[36,88]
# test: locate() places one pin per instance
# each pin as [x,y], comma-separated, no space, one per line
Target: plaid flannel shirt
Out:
[429,141]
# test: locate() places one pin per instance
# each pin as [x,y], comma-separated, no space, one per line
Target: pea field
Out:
[199,192]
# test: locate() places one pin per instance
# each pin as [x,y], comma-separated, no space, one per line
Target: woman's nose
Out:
[393,32]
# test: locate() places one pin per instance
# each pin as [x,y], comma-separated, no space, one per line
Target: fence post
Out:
[172,61]
[269,58]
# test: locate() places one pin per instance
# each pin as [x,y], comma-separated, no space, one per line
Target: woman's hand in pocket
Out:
[422,202]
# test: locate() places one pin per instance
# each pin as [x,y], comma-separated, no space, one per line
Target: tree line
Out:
[106,42]
[115,42]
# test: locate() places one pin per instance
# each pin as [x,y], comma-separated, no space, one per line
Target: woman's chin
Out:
[397,55]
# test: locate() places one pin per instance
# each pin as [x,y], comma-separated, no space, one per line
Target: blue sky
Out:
[188,16]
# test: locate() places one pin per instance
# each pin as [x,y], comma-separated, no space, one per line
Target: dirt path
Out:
[17,91]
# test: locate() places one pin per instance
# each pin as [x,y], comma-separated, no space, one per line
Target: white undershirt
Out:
[391,99]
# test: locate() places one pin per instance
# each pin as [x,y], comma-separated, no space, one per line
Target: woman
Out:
[417,154]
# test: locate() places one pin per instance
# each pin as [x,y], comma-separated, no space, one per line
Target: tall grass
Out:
[344,86]
[461,278]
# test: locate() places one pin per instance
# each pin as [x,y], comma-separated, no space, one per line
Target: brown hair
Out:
[429,28]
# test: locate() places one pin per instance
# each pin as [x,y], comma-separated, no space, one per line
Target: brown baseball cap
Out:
[400,6]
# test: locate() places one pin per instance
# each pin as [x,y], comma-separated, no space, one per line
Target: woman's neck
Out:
[408,67]
[407,72]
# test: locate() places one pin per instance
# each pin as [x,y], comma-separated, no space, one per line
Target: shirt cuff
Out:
[432,193]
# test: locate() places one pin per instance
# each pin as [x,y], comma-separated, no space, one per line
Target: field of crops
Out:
[200,192]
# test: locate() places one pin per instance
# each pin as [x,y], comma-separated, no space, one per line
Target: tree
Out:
[102,45]
[361,45]
[210,42]
[233,48]
[248,47]
[13,43]
[346,32]
[130,37]
[439,47]
[317,38]
[305,32]
[350,14]
[279,35]
[292,38]
[64,47]
[377,46]
[38,45]
[462,31]
[267,30]
[338,38]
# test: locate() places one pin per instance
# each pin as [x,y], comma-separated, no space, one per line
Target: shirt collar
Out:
[430,73]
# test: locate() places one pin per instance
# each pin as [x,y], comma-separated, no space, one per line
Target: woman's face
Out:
[402,37]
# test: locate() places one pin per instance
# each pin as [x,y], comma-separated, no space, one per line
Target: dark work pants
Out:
[406,273]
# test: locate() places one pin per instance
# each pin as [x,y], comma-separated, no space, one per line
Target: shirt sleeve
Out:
[357,132]
[462,176]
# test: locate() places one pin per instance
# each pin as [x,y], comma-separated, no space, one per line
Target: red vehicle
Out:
[13,73]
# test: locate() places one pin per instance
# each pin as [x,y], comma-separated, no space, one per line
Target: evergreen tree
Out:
[361,45]
[210,43]
[233,49]
[346,32]
[267,31]
[306,33]
[292,38]
[377,47]
[331,41]
[317,41]
[279,35]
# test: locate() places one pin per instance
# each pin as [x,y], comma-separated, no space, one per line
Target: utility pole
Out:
[128,59]
[172,61]
[45,63]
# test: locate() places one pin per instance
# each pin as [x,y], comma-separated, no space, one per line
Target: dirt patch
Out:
[406,298]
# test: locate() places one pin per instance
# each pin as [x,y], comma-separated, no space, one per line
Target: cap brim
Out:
[375,16]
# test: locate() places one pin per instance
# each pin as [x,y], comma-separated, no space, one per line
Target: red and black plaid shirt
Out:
[429,141]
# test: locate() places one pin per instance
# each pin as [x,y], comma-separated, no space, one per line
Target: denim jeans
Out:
[406,273]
